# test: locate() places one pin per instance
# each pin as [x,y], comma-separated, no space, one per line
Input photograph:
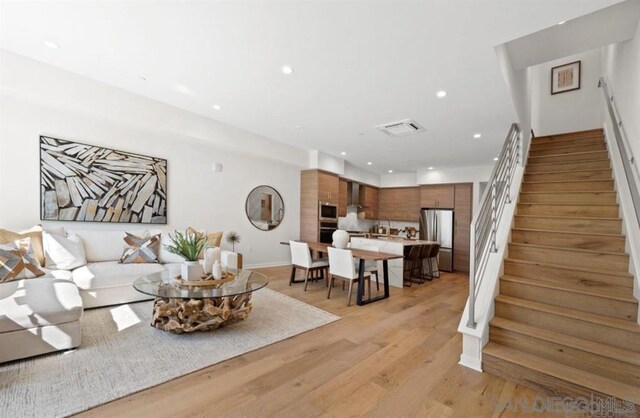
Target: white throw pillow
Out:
[62,253]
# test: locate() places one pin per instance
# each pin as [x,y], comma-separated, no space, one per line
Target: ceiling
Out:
[356,65]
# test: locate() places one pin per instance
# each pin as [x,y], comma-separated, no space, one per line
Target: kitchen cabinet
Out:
[463,194]
[437,196]
[315,186]
[342,197]
[369,201]
[399,204]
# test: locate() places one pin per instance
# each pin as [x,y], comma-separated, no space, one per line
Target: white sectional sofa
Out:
[43,314]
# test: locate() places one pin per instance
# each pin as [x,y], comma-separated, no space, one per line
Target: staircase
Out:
[565,319]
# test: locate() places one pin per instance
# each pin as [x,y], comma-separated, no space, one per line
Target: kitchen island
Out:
[389,245]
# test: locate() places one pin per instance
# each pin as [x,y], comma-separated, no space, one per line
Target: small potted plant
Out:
[188,245]
[233,238]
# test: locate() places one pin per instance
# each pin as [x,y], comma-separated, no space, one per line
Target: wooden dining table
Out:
[362,255]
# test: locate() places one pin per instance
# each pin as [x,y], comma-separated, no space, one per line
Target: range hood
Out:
[353,195]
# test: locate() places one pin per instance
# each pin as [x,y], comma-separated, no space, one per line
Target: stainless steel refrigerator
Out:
[437,225]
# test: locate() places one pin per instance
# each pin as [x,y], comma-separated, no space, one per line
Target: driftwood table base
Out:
[191,315]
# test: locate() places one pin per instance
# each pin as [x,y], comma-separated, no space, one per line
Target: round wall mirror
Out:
[264,208]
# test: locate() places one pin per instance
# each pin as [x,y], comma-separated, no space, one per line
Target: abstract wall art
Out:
[565,78]
[86,183]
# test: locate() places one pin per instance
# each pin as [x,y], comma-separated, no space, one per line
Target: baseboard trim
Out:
[263,265]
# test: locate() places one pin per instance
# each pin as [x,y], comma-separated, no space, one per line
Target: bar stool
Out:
[433,255]
[425,252]
[410,260]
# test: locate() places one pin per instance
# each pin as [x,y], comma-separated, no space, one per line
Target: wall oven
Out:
[326,230]
[328,212]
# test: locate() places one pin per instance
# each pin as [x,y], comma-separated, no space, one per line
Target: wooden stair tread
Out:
[572,268]
[607,321]
[593,347]
[569,171]
[563,286]
[580,250]
[566,181]
[565,192]
[599,160]
[561,371]
[599,234]
[578,218]
[567,154]
[570,204]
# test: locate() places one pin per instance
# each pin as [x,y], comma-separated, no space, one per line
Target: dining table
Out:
[362,256]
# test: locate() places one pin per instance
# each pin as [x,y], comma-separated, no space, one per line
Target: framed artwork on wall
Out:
[86,183]
[565,77]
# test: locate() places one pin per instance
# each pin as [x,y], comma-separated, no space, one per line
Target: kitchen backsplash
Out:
[352,223]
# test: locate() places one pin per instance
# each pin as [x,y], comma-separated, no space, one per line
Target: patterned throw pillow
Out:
[141,250]
[18,261]
[214,239]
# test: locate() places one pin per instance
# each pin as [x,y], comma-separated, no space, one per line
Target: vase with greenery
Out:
[233,238]
[188,245]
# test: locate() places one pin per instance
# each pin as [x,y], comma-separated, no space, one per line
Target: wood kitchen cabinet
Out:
[343,196]
[399,204]
[437,196]
[328,187]
[315,186]
[369,201]
[463,194]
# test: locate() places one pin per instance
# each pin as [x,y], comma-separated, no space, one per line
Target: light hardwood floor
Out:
[392,358]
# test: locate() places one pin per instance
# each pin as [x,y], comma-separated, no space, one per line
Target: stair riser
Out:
[599,133]
[588,279]
[587,303]
[559,239]
[584,165]
[570,326]
[567,150]
[560,353]
[578,142]
[570,186]
[610,211]
[541,382]
[598,226]
[601,261]
[569,176]
[596,198]
[569,158]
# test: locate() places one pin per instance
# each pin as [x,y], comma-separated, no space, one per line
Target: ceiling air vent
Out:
[401,128]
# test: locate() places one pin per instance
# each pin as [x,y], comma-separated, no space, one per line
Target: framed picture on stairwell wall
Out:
[565,77]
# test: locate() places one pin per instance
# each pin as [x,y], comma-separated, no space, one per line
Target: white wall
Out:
[576,110]
[621,66]
[40,99]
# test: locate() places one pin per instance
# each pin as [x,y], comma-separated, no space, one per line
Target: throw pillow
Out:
[63,253]
[214,239]
[141,250]
[35,234]
[18,261]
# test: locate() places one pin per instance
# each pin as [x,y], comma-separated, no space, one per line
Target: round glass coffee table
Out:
[183,309]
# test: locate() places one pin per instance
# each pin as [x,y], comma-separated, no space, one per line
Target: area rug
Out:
[122,354]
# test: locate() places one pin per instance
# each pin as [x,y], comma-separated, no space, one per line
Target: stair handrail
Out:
[486,217]
[628,160]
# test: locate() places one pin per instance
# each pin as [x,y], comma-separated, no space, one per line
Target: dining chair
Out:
[341,267]
[301,258]
[370,266]
[433,255]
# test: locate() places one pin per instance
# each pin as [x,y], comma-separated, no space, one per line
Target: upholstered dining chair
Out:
[341,267]
[301,258]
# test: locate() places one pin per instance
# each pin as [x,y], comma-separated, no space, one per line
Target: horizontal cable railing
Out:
[487,217]
[628,160]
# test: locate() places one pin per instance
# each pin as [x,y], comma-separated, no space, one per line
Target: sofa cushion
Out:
[63,253]
[17,261]
[111,273]
[57,274]
[35,234]
[38,302]
[104,245]
[141,250]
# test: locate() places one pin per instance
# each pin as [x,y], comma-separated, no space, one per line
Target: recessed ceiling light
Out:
[369,163]
[143,78]
[390,171]
[217,107]
[430,168]
[360,133]
[287,70]
[562,22]
[495,159]
[476,136]
[441,94]
[299,126]
[343,153]
[181,88]
[52,44]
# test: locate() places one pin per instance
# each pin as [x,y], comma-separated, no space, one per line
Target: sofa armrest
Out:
[229,259]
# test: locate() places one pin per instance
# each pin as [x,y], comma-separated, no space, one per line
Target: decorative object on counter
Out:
[206,280]
[211,255]
[340,239]
[565,78]
[87,183]
[217,270]
[264,208]
[411,232]
[188,245]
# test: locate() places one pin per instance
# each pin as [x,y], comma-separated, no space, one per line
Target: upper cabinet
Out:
[328,187]
[437,196]
[399,204]
[342,197]
[369,202]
